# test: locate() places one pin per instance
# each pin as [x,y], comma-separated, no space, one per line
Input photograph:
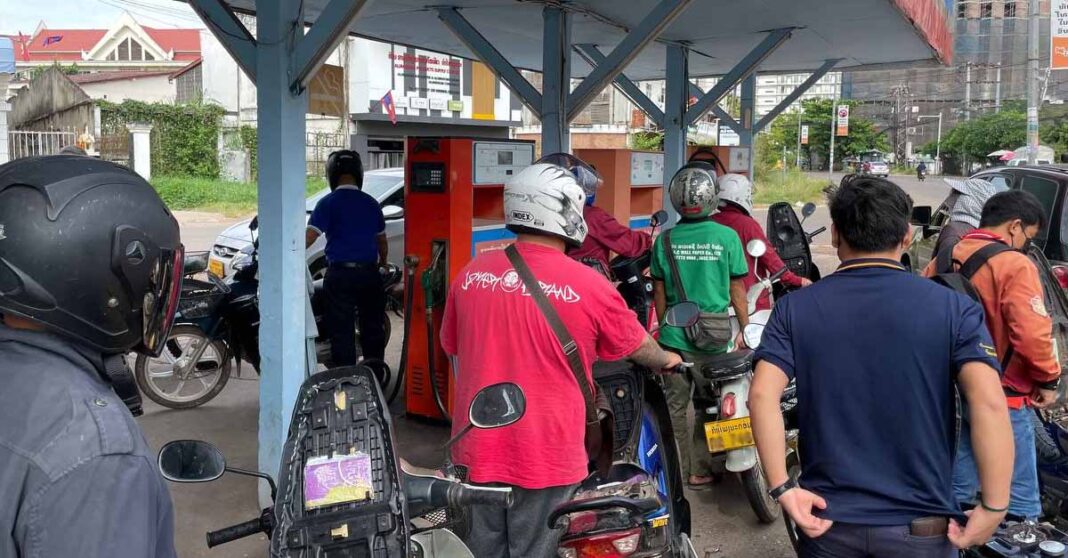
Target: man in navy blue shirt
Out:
[356,246]
[876,352]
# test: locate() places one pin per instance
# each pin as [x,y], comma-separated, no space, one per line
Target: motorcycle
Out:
[921,174]
[343,491]
[217,325]
[638,508]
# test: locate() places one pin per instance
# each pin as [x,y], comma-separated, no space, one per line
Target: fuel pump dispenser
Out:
[455,208]
[633,183]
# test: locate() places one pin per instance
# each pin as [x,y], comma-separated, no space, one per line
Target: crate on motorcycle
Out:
[341,412]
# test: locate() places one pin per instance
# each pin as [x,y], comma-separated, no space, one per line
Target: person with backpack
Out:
[698,261]
[991,263]
[965,205]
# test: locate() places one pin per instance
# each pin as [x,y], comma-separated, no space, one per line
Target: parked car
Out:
[879,168]
[386,185]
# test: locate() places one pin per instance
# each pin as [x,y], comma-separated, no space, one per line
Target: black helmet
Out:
[345,161]
[88,250]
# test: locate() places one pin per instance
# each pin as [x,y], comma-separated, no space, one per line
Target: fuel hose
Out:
[436,260]
[411,261]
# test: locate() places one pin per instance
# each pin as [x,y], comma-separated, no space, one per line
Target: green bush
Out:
[218,196]
[250,141]
[185,137]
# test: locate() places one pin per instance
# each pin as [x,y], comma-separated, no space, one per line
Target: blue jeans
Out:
[1024,495]
[845,540]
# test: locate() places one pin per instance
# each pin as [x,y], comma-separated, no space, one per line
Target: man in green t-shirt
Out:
[711,267]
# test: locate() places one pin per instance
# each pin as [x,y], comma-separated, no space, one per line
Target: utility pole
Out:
[834,130]
[1032,83]
[968,89]
[801,112]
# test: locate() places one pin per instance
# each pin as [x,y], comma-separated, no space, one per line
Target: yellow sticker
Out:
[658,522]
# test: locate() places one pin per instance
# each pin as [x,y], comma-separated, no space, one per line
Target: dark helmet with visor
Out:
[88,250]
[340,163]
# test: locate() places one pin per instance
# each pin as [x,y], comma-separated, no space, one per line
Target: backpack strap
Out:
[944,259]
[676,277]
[977,260]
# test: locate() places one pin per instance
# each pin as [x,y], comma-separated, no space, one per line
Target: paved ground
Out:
[723,523]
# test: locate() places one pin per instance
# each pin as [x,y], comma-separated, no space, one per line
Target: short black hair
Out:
[870,214]
[1014,204]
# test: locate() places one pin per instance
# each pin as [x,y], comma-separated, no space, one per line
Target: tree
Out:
[974,139]
[817,115]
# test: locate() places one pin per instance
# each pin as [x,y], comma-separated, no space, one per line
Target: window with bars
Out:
[1010,9]
[130,49]
[962,9]
[189,86]
[986,10]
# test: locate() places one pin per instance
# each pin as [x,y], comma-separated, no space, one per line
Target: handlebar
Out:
[262,524]
[813,234]
[427,493]
[467,495]
[777,275]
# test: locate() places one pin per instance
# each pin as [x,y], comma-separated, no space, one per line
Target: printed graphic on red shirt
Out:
[496,332]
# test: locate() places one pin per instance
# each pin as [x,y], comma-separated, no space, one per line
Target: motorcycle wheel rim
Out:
[164,376]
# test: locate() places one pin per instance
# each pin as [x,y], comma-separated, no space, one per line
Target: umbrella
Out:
[1001,153]
[1008,156]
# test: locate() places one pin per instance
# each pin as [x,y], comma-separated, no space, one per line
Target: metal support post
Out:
[800,114]
[556,66]
[593,56]
[834,130]
[283,292]
[233,36]
[718,111]
[492,58]
[330,28]
[1033,100]
[676,94]
[748,119]
[743,69]
[647,30]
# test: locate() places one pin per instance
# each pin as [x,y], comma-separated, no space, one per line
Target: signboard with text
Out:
[1058,35]
[804,135]
[843,120]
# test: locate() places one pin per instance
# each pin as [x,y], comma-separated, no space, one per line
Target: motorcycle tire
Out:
[168,400]
[756,491]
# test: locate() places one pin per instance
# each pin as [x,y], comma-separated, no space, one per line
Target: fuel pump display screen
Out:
[428,178]
[496,162]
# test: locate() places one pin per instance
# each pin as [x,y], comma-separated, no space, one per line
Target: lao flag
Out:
[391,109]
[52,39]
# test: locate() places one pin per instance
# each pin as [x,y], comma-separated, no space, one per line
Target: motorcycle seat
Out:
[727,364]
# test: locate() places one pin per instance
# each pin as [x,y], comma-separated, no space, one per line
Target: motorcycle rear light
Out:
[1061,273]
[728,406]
[619,544]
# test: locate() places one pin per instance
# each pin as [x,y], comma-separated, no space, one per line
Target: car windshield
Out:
[378,185]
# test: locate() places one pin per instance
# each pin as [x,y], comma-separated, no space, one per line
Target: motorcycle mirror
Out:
[497,405]
[191,461]
[752,334]
[254,224]
[197,262]
[659,218]
[683,314]
[808,209]
[756,248]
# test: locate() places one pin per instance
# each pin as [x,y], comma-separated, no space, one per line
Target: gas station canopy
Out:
[862,33]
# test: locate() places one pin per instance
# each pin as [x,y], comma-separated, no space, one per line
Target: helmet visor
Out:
[587,177]
[161,301]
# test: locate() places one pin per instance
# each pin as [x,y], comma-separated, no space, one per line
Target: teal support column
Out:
[281,226]
[676,95]
[749,118]
[556,83]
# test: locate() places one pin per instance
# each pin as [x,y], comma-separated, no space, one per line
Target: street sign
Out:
[804,134]
[843,120]
[1058,34]
[326,92]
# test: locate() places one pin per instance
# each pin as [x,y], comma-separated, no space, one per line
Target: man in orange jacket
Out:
[1010,290]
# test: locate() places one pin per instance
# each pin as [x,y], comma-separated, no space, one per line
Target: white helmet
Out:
[736,189]
[545,199]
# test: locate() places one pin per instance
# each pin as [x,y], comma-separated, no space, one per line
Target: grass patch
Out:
[795,186]
[216,196]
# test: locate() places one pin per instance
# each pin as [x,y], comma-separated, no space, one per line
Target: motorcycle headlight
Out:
[242,261]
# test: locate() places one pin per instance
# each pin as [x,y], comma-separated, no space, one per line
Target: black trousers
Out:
[350,291]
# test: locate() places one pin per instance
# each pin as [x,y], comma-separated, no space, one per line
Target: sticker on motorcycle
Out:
[337,480]
[658,522]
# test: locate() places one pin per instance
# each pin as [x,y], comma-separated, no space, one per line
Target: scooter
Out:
[638,509]
[921,175]
[343,491]
[217,324]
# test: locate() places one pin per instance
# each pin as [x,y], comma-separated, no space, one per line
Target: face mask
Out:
[1027,243]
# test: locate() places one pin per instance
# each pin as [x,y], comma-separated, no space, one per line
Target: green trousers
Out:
[693,448]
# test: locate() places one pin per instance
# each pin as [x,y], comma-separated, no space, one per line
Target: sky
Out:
[23,15]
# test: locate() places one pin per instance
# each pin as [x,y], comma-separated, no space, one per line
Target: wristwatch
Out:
[778,491]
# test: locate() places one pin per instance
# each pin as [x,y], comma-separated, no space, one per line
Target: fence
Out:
[32,144]
[319,146]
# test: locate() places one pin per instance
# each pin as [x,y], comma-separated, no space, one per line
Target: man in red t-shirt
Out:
[494,332]
[735,211]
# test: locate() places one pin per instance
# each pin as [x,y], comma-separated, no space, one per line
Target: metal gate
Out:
[32,144]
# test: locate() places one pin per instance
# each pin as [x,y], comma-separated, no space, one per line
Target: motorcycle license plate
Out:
[216,268]
[726,435]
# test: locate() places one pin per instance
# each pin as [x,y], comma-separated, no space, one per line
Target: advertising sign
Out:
[456,106]
[843,120]
[1058,34]
[804,134]
[326,92]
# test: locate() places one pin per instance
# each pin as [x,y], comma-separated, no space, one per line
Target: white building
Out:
[772,89]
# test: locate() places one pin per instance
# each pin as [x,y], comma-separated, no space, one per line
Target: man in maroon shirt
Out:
[605,234]
[735,211]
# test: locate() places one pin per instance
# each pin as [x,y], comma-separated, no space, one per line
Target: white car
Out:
[879,168]
[386,185]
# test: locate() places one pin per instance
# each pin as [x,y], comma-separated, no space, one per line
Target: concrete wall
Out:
[51,102]
[147,89]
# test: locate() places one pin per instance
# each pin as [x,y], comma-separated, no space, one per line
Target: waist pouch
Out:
[712,331]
